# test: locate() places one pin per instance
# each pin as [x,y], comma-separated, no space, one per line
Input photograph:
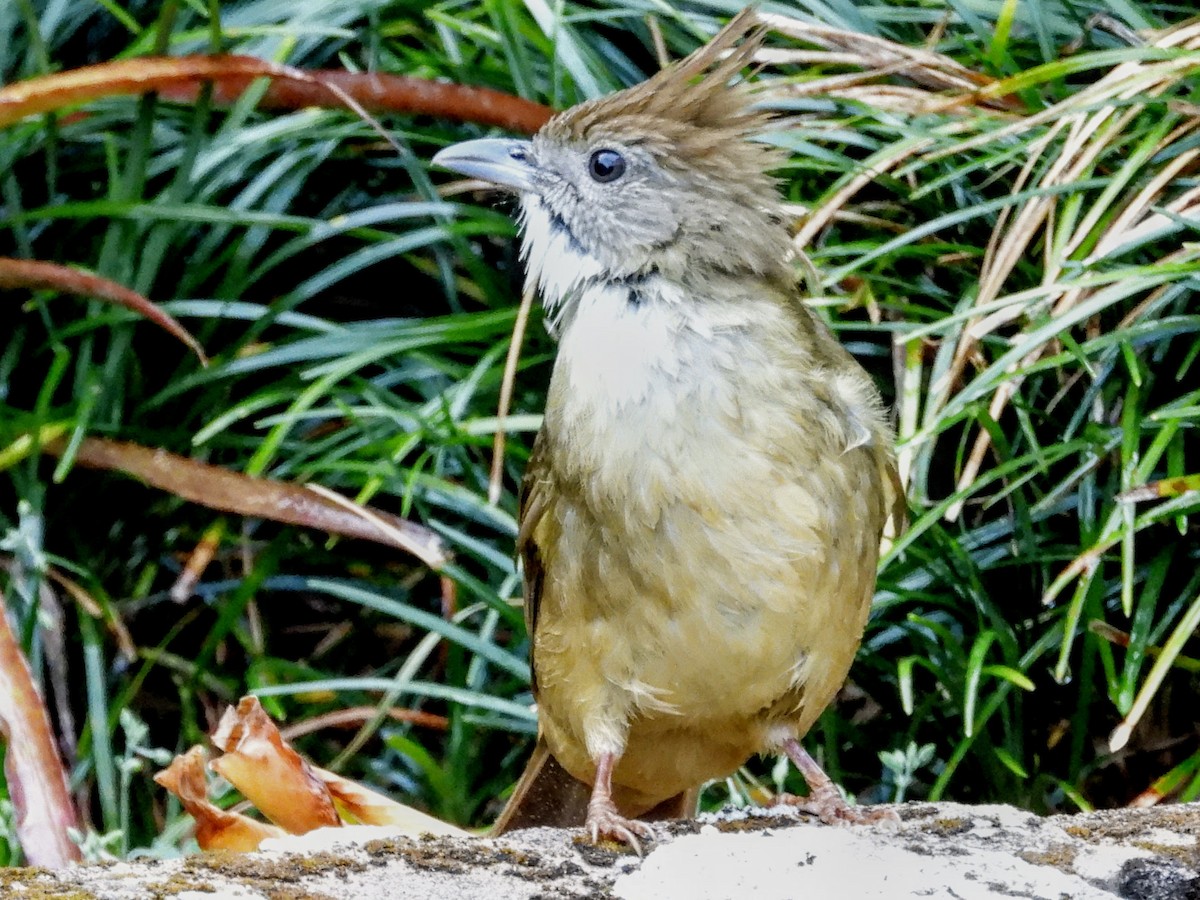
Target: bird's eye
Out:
[606,165]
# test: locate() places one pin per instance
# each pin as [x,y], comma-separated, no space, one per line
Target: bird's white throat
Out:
[556,265]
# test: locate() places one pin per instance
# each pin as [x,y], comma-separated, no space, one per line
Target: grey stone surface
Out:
[937,851]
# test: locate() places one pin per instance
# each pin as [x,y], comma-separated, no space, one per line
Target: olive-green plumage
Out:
[702,512]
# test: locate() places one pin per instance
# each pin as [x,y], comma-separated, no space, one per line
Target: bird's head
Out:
[662,177]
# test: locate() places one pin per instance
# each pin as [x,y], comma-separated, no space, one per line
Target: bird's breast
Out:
[662,399]
[651,398]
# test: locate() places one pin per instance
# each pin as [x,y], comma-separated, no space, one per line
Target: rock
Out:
[943,851]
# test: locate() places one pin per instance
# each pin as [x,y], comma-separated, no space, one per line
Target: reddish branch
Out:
[181,77]
[379,92]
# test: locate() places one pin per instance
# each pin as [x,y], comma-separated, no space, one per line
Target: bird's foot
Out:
[824,800]
[605,823]
[831,808]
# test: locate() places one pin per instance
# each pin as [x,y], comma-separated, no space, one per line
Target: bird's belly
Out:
[703,648]
[715,621]
[697,636]
[688,684]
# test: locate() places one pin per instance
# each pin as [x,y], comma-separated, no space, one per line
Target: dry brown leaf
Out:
[361,806]
[496,476]
[198,561]
[1167,487]
[1094,121]
[34,275]
[286,788]
[33,770]
[262,498]
[88,604]
[216,829]
[927,68]
[268,772]
[46,93]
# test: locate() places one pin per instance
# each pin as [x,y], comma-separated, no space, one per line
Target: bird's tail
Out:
[546,796]
[549,796]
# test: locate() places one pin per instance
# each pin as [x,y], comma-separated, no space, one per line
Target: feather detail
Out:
[690,115]
[693,98]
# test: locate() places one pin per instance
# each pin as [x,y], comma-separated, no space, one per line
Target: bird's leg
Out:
[603,818]
[824,800]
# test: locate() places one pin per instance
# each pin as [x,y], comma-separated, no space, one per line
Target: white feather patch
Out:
[554,263]
[616,354]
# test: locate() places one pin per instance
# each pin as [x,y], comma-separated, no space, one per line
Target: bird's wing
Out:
[546,794]
[827,348]
[532,506]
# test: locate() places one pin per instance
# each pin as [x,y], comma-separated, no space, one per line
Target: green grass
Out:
[358,324]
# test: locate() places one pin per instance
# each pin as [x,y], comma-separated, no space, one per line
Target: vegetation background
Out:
[1009,251]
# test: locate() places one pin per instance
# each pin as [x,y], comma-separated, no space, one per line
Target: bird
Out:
[701,514]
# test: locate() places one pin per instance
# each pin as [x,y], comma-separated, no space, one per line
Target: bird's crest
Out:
[690,109]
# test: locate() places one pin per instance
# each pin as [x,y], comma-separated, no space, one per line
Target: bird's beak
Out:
[504,162]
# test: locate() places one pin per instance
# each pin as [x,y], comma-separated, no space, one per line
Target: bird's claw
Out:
[605,823]
[832,809]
